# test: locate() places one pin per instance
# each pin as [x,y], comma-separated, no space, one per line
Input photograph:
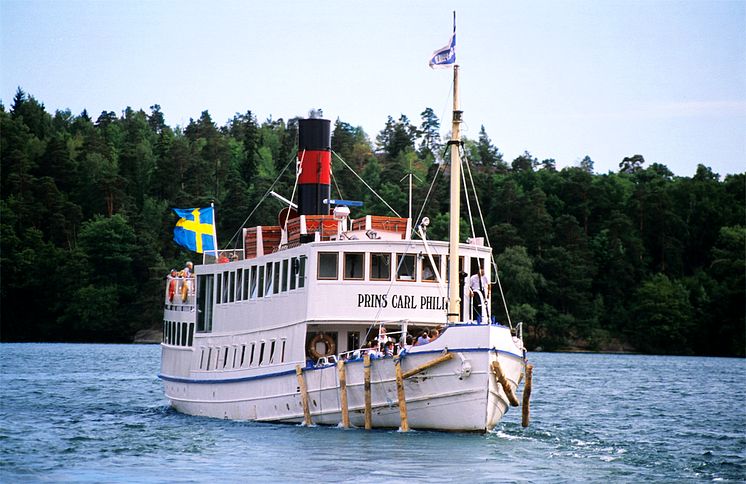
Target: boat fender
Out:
[330,347]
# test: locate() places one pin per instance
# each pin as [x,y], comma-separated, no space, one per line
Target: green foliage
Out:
[649,260]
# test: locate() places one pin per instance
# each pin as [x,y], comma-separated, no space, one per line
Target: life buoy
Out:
[171,290]
[331,347]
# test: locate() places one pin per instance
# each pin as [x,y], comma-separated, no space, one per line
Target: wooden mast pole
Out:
[454,297]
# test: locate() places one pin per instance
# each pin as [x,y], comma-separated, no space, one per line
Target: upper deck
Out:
[354,276]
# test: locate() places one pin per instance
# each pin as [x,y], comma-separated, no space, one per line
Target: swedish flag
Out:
[195,230]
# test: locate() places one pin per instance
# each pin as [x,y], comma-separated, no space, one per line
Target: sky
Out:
[558,78]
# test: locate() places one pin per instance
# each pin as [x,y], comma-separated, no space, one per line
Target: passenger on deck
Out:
[389,349]
[188,269]
[434,333]
[172,285]
[423,339]
[478,282]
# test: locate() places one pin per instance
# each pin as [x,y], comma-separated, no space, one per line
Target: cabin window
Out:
[261,281]
[163,335]
[294,268]
[282,355]
[251,359]
[405,267]
[225,357]
[243,355]
[272,352]
[428,270]
[235,353]
[354,266]
[284,275]
[209,357]
[217,358]
[380,267]
[268,280]
[190,334]
[201,358]
[184,327]
[276,283]
[224,296]
[246,286]
[204,302]
[328,264]
[254,285]
[232,290]
[219,289]
[302,271]
[261,353]
[239,284]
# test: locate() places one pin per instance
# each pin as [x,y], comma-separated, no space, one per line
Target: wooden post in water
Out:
[366,376]
[303,395]
[343,393]
[404,427]
[504,383]
[526,414]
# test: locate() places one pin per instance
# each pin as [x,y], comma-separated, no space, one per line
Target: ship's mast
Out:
[455,144]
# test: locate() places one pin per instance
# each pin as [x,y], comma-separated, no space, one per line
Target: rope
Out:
[427,198]
[492,254]
[295,185]
[366,184]
[259,203]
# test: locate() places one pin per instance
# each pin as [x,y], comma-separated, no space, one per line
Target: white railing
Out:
[223,256]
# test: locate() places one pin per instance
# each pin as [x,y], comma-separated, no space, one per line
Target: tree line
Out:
[638,259]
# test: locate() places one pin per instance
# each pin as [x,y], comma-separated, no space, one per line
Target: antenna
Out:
[410,175]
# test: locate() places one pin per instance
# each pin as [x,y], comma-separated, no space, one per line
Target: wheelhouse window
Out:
[232,290]
[428,270]
[354,266]
[405,267]
[246,286]
[328,265]
[276,283]
[284,275]
[261,282]
[302,271]
[268,280]
[239,284]
[380,267]
[254,286]
[224,295]
[294,269]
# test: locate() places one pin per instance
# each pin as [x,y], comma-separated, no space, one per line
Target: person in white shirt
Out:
[479,282]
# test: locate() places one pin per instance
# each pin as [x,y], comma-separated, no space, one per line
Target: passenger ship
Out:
[293,331]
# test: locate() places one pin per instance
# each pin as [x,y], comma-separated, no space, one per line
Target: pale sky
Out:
[560,79]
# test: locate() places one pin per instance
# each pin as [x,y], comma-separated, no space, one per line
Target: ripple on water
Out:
[66,416]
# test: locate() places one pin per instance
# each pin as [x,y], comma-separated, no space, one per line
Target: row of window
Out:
[242,356]
[379,266]
[260,281]
[178,334]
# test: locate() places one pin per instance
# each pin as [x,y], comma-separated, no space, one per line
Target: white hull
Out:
[460,394]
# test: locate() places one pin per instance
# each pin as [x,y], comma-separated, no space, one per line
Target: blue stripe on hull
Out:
[292,372]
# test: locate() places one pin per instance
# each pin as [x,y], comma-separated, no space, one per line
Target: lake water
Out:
[93,413]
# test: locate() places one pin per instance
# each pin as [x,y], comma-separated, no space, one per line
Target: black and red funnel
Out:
[315,156]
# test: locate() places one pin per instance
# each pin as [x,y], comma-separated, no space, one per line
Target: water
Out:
[96,413]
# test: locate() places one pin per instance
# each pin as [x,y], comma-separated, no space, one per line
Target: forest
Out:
[636,260]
